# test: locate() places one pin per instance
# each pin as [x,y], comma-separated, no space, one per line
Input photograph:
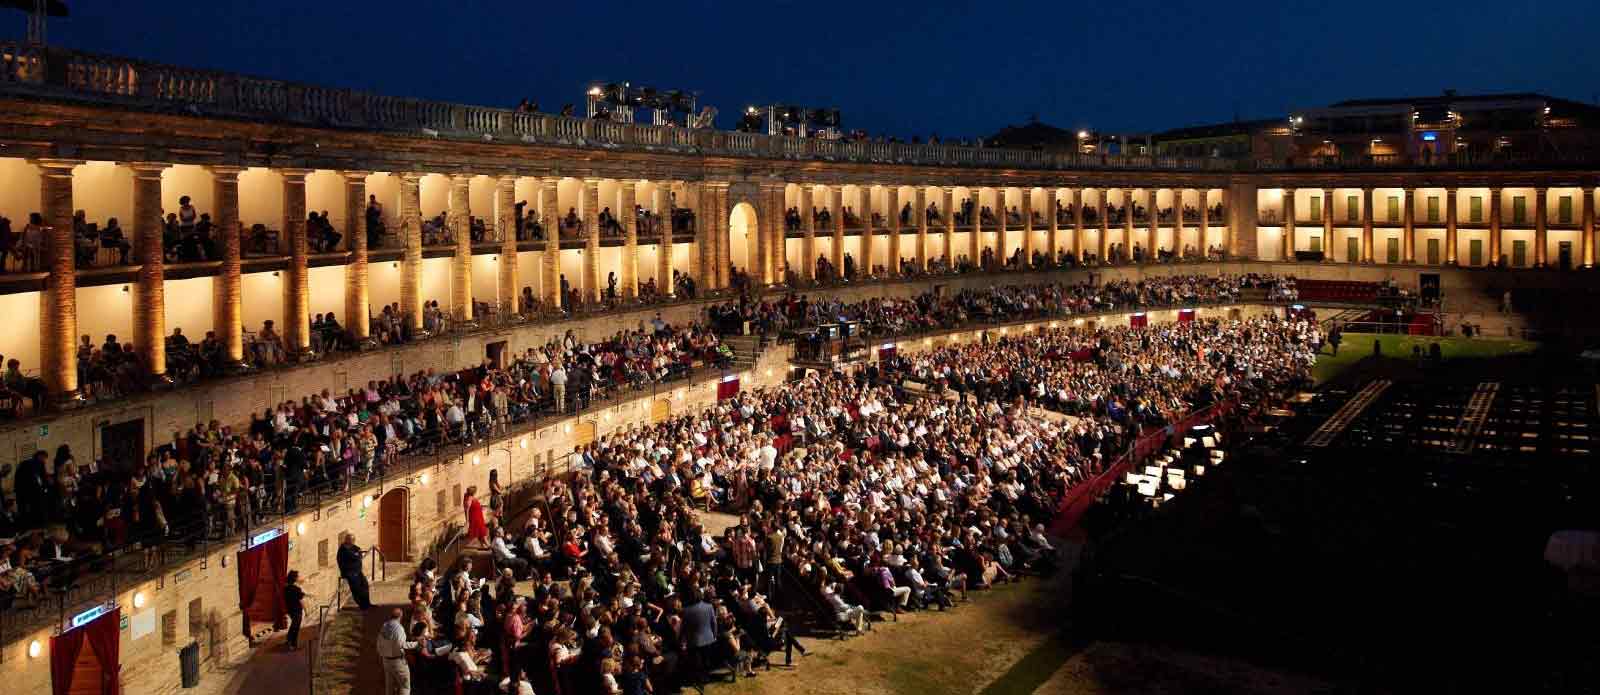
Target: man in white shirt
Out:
[392,647]
[558,383]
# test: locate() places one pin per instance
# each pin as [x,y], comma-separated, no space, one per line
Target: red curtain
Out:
[1185,315]
[727,389]
[886,353]
[1137,320]
[103,637]
[269,560]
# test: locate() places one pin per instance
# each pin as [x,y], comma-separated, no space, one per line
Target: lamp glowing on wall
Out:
[523,443]
[35,649]
[424,479]
[138,599]
[300,528]
[366,501]
[476,459]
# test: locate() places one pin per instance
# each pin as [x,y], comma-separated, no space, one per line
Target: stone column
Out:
[975,239]
[627,194]
[1494,225]
[891,198]
[1027,227]
[772,224]
[919,212]
[1450,225]
[808,245]
[1541,225]
[1327,224]
[1080,236]
[297,286]
[357,292]
[459,218]
[719,232]
[836,210]
[1205,220]
[1177,224]
[57,349]
[1105,223]
[868,230]
[1288,224]
[1127,220]
[411,260]
[1002,239]
[661,201]
[948,202]
[589,210]
[1230,228]
[1153,223]
[1366,225]
[505,203]
[693,198]
[150,297]
[228,312]
[550,255]
[1588,226]
[1408,218]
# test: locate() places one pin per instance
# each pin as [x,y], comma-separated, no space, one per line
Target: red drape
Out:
[886,353]
[270,559]
[1137,320]
[727,389]
[1185,315]
[103,637]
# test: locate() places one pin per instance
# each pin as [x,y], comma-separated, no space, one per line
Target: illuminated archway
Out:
[742,231]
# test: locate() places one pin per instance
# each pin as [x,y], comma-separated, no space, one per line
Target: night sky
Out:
[959,69]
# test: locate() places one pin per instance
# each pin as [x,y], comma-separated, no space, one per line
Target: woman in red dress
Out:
[477,528]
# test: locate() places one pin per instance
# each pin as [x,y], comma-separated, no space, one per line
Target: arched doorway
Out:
[743,229]
[394,524]
[660,410]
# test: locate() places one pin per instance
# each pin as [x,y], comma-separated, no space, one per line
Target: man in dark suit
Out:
[349,558]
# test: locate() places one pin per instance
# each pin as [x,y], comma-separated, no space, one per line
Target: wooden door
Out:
[394,527]
[660,410]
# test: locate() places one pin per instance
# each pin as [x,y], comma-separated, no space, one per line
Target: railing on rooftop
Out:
[76,75]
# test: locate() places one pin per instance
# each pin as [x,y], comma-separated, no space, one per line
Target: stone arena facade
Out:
[118,138]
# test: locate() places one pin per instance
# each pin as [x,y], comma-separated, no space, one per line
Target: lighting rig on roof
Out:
[793,120]
[619,101]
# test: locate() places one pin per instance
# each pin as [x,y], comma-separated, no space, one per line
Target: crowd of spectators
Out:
[213,479]
[856,498]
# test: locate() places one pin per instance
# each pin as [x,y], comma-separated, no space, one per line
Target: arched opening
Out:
[660,410]
[742,231]
[394,524]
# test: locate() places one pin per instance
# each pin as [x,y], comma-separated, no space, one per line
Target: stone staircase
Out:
[746,350]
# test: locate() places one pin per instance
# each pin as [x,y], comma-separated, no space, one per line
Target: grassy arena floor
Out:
[1008,641]
[1471,355]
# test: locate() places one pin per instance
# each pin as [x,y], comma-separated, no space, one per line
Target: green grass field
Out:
[1469,353]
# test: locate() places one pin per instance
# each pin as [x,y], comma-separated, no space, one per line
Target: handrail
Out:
[377,554]
[333,605]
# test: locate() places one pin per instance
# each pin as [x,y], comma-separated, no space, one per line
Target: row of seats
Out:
[1337,290]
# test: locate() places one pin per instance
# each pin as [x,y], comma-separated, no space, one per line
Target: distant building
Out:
[1421,129]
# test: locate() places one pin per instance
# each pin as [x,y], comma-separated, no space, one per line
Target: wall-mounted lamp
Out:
[35,649]
[138,599]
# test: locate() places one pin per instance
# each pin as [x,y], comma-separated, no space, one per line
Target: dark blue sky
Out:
[956,68]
